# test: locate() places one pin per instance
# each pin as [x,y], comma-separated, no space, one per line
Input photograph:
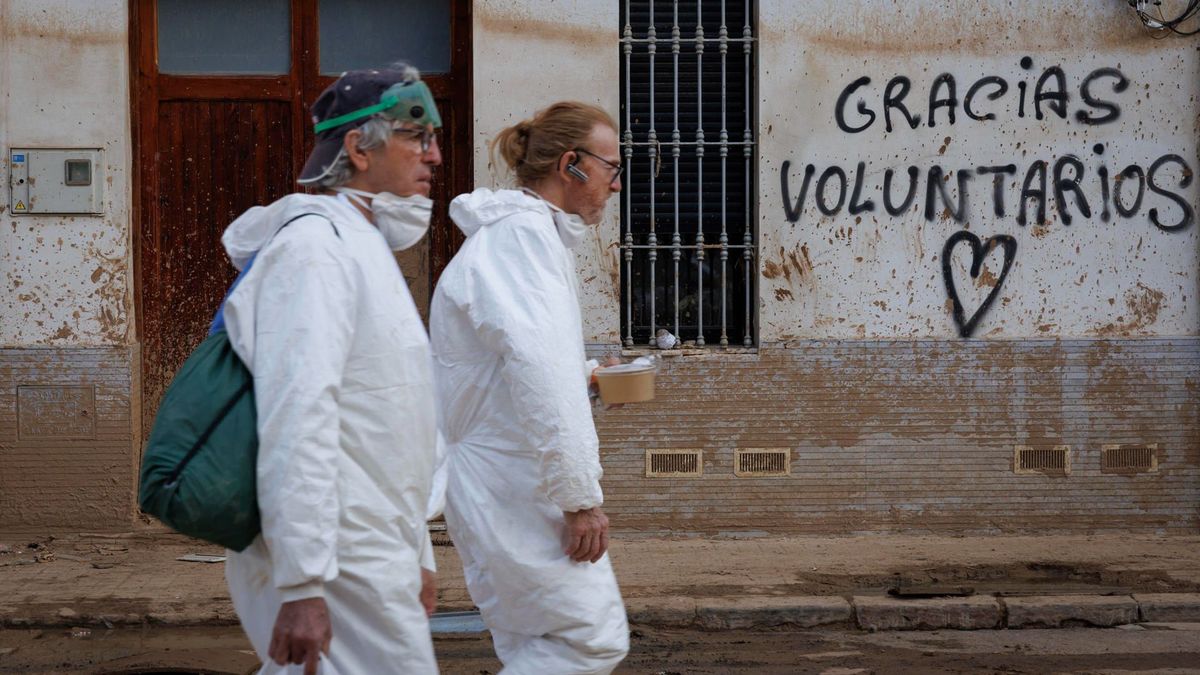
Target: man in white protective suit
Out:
[523,467]
[340,580]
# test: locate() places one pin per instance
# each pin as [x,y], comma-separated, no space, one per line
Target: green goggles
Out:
[403,102]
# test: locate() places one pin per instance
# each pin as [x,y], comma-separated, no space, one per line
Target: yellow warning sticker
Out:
[19,207]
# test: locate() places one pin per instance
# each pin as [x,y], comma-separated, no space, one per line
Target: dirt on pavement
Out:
[135,578]
[224,651]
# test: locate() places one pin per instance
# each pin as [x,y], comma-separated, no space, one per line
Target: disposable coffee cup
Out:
[626,383]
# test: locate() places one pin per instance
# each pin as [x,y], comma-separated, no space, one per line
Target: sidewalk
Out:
[935,581]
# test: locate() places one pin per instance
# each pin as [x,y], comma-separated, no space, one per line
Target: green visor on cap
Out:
[404,102]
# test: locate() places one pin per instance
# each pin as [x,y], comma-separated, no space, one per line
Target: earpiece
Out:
[577,172]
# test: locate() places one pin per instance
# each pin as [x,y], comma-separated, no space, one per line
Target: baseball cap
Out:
[353,99]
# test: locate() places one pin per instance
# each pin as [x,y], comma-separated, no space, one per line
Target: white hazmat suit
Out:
[347,426]
[522,447]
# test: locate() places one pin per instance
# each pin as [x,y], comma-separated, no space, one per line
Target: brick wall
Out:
[915,436]
[66,439]
[882,436]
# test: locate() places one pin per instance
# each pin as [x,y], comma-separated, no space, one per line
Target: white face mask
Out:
[401,220]
[571,228]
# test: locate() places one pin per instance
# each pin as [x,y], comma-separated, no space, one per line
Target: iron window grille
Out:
[688,244]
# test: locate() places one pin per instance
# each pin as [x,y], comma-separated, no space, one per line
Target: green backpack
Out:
[200,464]
[198,471]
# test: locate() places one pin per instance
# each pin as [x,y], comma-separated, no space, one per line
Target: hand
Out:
[428,591]
[302,633]
[587,535]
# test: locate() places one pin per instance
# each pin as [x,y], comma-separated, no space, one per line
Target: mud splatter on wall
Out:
[64,71]
[68,392]
[555,51]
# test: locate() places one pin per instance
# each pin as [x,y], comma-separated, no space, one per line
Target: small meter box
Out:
[43,181]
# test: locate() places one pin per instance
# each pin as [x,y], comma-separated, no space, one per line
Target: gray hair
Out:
[375,133]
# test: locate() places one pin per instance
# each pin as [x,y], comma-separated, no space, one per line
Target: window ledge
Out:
[690,352]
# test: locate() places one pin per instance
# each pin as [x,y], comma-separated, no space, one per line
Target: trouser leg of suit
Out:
[548,614]
[529,655]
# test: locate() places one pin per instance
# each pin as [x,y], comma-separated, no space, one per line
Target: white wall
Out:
[528,55]
[64,82]
[873,275]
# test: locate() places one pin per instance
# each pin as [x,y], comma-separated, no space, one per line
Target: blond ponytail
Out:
[531,148]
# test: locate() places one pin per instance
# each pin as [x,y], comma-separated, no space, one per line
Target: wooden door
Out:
[210,145]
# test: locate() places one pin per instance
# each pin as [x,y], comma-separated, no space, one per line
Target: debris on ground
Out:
[201,558]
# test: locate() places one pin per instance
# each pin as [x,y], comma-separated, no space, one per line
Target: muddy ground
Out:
[130,578]
[223,650]
[58,597]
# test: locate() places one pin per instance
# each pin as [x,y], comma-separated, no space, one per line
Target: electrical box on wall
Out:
[44,182]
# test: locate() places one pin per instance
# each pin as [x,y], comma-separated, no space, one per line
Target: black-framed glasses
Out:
[424,134]
[617,168]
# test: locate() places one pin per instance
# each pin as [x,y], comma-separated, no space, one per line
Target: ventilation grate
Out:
[762,462]
[1129,458]
[1054,461]
[673,463]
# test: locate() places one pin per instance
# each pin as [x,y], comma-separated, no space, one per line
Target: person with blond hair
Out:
[523,498]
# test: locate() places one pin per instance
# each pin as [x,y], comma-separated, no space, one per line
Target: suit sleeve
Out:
[305,310]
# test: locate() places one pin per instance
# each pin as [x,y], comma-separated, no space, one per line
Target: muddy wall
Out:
[528,55]
[892,414]
[66,74]
[66,326]
[899,143]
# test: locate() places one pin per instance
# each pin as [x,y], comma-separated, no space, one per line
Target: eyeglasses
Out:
[617,168]
[425,134]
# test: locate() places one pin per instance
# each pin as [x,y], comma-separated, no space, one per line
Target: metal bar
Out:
[628,225]
[713,40]
[675,239]
[723,38]
[700,172]
[712,143]
[666,247]
[747,138]
[652,47]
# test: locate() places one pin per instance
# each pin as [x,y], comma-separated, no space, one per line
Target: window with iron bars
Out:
[688,244]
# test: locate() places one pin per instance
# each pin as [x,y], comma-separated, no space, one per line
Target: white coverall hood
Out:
[347,432]
[483,207]
[522,447]
[247,234]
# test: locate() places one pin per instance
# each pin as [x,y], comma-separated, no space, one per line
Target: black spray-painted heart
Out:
[979,251]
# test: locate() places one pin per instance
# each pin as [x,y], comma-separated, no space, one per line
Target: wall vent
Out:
[1054,461]
[1129,458]
[762,462]
[674,463]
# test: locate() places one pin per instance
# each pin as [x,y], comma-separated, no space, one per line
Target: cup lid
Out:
[624,369]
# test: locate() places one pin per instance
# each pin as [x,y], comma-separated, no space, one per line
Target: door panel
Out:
[218,159]
[224,36]
[354,32]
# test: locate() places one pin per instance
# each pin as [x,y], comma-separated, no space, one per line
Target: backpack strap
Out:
[289,222]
